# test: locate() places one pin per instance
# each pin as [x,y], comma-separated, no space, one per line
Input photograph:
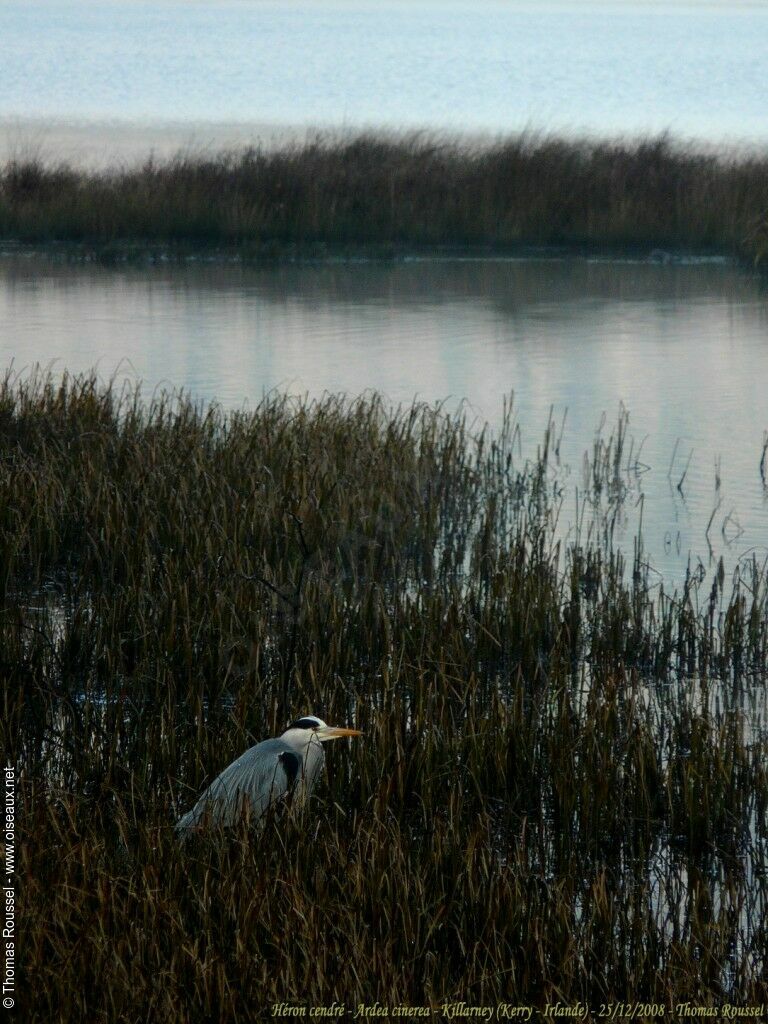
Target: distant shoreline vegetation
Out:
[381,195]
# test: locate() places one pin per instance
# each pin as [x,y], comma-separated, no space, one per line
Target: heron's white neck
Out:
[300,740]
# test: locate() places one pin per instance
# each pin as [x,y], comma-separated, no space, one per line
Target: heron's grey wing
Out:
[259,778]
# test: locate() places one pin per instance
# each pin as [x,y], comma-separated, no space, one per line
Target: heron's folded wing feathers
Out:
[259,778]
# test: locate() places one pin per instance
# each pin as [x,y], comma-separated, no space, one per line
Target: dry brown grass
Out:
[562,788]
[385,194]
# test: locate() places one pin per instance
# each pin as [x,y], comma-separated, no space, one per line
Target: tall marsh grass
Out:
[384,194]
[562,789]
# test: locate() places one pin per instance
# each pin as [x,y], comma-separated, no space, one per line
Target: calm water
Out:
[696,69]
[684,348]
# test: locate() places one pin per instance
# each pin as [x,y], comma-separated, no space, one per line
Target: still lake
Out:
[695,69]
[683,347]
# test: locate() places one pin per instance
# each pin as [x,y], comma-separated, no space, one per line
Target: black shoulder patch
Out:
[291,764]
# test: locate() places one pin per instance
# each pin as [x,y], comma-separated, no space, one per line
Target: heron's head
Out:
[315,728]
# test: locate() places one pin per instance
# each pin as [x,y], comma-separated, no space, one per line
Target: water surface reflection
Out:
[683,347]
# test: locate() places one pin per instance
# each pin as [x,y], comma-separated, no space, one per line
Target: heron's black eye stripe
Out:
[304,723]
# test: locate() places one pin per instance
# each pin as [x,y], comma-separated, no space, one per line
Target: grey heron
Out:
[265,774]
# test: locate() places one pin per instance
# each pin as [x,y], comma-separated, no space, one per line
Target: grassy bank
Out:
[562,789]
[384,195]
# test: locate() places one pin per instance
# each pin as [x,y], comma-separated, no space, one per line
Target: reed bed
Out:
[562,790]
[385,194]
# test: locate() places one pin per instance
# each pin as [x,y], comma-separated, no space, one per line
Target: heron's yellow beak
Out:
[335,732]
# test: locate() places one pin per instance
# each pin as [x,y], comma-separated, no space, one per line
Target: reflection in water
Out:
[683,348]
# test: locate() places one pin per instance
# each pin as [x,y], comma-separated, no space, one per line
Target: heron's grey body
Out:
[267,773]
